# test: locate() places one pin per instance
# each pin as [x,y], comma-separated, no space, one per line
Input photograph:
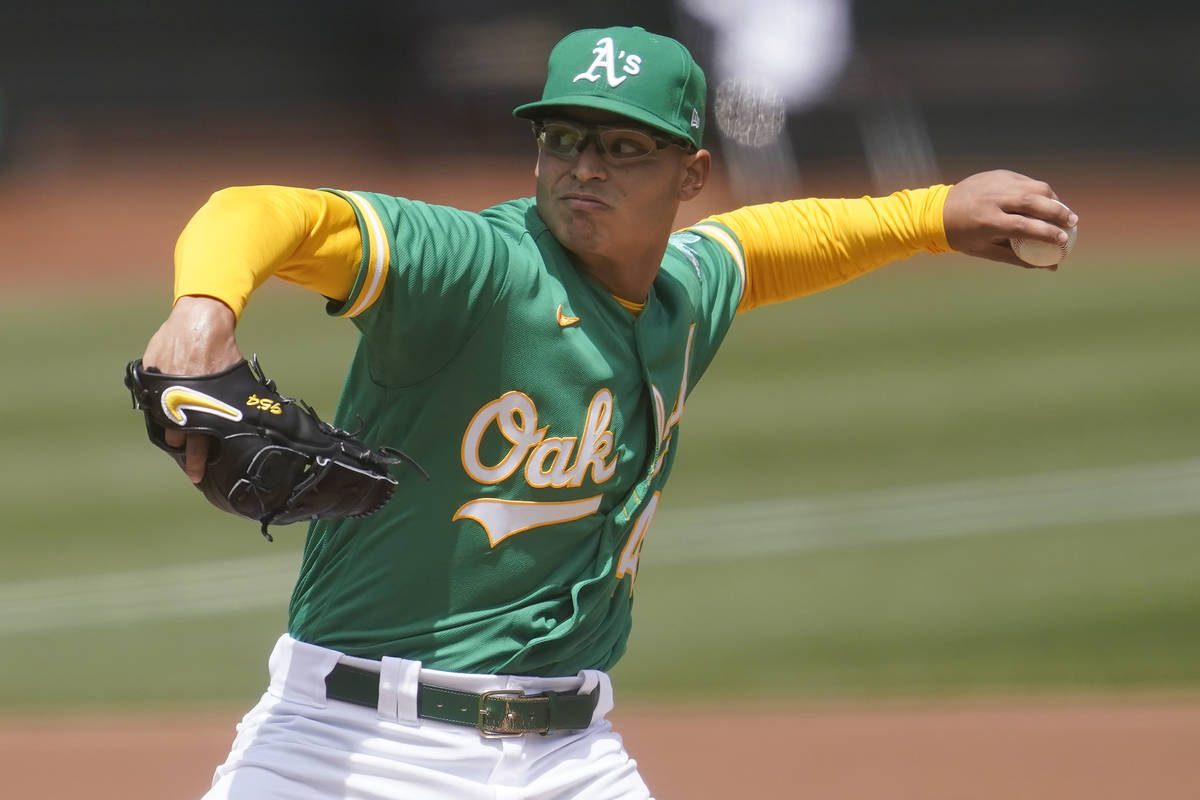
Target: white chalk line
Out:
[743,531]
[966,508]
[148,594]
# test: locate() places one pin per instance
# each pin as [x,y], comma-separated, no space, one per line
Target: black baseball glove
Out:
[270,457]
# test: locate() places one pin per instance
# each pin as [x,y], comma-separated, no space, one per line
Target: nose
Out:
[589,164]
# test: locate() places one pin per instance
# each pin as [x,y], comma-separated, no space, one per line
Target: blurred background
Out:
[948,482]
[122,116]
[976,78]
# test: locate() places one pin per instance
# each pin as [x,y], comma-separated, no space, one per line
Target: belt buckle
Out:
[506,727]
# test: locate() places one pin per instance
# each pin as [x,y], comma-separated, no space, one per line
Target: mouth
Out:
[583,201]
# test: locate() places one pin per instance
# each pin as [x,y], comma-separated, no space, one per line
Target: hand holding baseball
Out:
[1039,253]
[998,214]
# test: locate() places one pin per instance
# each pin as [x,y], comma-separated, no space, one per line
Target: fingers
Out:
[196,456]
[1028,227]
[986,210]
[1045,207]
[195,451]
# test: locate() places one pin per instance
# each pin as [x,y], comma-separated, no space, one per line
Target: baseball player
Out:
[536,358]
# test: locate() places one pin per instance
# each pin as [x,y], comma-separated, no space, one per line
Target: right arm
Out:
[238,239]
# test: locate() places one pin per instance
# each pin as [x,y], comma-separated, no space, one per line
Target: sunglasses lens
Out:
[626,145]
[567,140]
[561,140]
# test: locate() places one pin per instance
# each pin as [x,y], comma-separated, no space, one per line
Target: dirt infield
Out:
[1081,750]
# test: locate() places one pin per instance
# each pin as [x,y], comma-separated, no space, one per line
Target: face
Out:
[614,212]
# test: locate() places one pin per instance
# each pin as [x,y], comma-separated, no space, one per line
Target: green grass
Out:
[923,373]
[946,370]
[190,661]
[1069,609]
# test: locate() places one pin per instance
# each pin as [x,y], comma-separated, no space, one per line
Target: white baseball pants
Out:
[297,745]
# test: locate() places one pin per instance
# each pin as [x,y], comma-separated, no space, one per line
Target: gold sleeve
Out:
[245,234]
[799,247]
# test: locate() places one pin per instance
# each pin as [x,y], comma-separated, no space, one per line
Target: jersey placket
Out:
[628,507]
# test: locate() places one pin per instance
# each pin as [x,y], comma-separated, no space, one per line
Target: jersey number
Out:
[628,565]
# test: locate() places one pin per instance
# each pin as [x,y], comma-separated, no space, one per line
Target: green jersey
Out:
[546,414]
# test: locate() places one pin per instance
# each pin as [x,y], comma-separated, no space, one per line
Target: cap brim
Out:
[542,107]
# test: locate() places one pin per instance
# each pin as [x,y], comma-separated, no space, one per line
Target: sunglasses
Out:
[618,144]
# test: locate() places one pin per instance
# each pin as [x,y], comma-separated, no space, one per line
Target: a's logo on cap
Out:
[695,118]
[606,58]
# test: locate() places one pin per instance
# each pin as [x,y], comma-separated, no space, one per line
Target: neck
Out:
[628,280]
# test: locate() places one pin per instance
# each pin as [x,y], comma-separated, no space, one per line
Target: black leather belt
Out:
[499,713]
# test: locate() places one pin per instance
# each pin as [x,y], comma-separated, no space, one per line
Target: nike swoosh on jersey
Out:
[177,400]
[502,518]
[563,320]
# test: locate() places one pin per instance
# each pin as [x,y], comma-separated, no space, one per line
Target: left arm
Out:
[803,246]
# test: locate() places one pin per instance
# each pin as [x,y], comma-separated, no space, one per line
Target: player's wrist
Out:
[208,306]
[196,339]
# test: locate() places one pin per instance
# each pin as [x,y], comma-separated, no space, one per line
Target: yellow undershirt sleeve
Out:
[803,246]
[245,234]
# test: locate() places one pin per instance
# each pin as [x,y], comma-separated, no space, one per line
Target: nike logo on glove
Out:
[565,321]
[178,399]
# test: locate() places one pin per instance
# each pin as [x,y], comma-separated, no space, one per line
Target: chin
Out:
[579,235]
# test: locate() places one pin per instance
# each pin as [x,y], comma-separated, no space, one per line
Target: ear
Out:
[696,167]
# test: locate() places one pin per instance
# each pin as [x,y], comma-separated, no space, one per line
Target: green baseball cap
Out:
[649,78]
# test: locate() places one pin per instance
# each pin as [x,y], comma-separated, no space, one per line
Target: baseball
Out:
[1043,254]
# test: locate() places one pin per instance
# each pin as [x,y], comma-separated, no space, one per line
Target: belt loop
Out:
[298,671]
[593,679]
[398,687]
